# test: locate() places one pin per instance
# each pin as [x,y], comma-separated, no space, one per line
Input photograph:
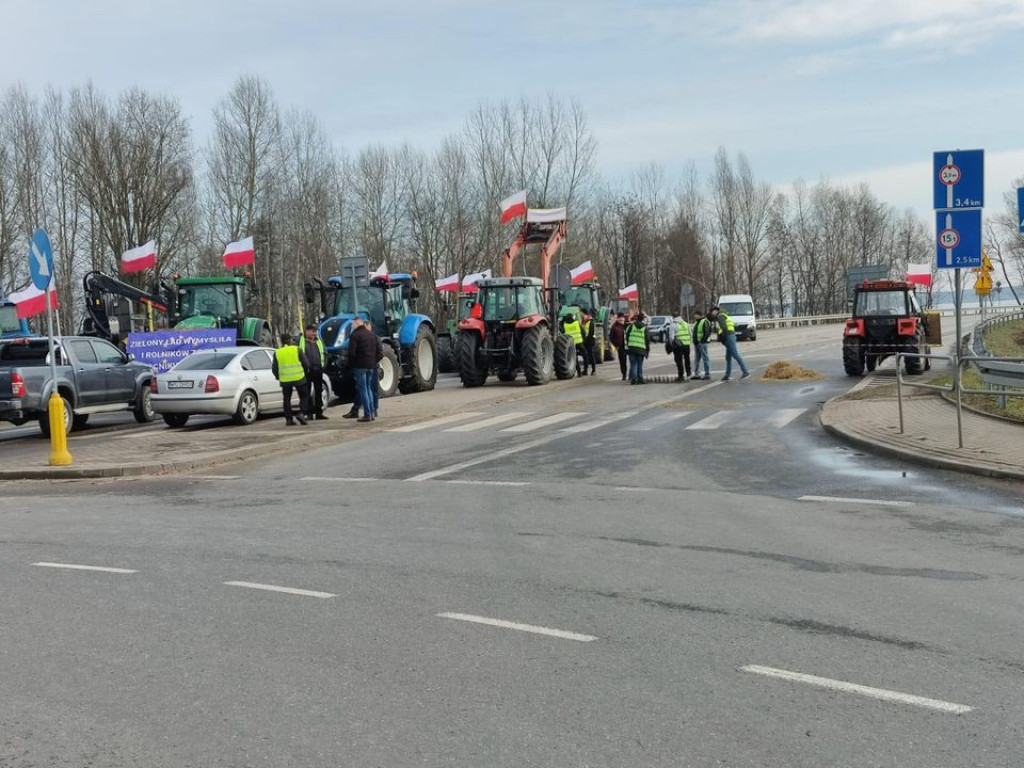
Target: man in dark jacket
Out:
[362,360]
[312,350]
[617,338]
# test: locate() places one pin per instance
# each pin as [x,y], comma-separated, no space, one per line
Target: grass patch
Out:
[1006,339]
[783,370]
[990,403]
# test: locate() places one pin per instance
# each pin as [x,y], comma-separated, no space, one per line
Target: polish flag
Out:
[919,274]
[629,292]
[30,301]
[381,271]
[513,206]
[137,259]
[582,273]
[450,283]
[469,281]
[239,254]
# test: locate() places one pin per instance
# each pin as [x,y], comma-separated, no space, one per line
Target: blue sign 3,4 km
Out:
[958,239]
[958,179]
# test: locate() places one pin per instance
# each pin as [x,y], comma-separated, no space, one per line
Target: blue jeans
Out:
[636,366]
[703,358]
[366,390]
[731,353]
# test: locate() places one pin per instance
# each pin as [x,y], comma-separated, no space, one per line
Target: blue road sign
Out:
[958,179]
[958,239]
[40,260]
[1020,210]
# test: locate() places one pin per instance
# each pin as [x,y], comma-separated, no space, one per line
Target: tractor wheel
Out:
[506,376]
[599,346]
[870,361]
[470,371]
[912,365]
[266,337]
[445,355]
[387,373]
[565,357]
[424,363]
[609,355]
[853,357]
[538,355]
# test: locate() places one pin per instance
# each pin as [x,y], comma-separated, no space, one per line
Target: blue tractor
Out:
[388,302]
[11,326]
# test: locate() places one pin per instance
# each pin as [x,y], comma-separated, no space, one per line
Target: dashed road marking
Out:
[846,500]
[434,473]
[501,418]
[604,421]
[559,633]
[882,694]
[341,479]
[275,588]
[75,567]
[784,416]
[547,421]
[486,482]
[436,422]
[658,421]
[714,421]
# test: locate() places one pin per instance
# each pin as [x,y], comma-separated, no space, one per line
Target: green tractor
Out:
[585,298]
[446,362]
[217,302]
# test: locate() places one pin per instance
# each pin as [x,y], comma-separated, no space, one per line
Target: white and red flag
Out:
[469,281]
[582,273]
[138,259]
[239,253]
[629,292]
[381,271]
[513,206]
[919,274]
[450,283]
[31,301]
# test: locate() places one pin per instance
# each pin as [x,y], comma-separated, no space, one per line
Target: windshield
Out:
[737,308]
[216,300]
[370,301]
[658,320]
[509,303]
[205,361]
[881,303]
[9,322]
[580,296]
[466,306]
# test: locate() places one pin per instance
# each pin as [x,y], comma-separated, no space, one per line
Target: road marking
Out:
[660,420]
[586,426]
[874,693]
[273,588]
[846,500]
[436,422]
[73,567]
[547,421]
[485,482]
[342,479]
[214,477]
[714,421]
[783,416]
[501,418]
[632,489]
[560,633]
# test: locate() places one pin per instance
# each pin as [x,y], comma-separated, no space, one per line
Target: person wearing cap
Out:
[638,346]
[312,350]
[617,338]
[727,335]
[289,368]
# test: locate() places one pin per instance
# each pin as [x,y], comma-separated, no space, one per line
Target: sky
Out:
[848,90]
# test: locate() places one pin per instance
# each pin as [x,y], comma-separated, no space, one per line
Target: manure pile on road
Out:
[783,370]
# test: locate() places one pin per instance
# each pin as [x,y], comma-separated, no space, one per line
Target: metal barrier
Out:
[785,322]
[996,372]
[953,386]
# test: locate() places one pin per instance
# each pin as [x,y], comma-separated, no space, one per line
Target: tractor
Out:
[585,299]
[446,362]
[887,320]
[388,301]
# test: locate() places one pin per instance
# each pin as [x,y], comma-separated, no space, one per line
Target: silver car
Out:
[233,381]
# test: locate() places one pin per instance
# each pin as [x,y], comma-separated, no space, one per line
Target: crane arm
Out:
[97,284]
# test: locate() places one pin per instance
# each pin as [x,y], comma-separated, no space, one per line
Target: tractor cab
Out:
[585,297]
[509,299]
[210,302]
[887,319]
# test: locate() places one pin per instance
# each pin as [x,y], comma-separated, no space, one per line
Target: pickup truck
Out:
[93,376]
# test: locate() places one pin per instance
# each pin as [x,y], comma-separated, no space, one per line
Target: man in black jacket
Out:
[362,360]
[312,350]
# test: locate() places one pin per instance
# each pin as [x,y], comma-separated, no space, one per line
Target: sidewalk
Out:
[992,447]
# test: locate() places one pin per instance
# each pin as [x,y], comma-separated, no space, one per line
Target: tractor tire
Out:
[387,373]
[471,372]
[599,346]
[565,357]
[506,376]
[870,362]
[266,337]
[853,357]
[538,355]
[445,355]
[423,363]
[913,366]
[609,354]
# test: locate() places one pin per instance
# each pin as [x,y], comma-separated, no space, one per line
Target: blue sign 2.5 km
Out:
[957,239]
[1020,210]
[958,179]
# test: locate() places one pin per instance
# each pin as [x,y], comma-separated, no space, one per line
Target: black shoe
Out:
[623,378]
[365,418]
[289,423]
[641,381]
[322,416]
[726,378]
[679,379]
[593,373]
[301,420]
[351,415]
[745,374]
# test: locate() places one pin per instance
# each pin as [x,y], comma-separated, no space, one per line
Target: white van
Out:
[740,307]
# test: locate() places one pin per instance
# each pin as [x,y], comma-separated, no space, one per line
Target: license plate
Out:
[180,384]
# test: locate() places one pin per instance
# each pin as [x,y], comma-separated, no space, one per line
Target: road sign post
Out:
[1020,210]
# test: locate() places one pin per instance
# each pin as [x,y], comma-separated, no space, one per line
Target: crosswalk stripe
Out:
[547,421]
[783,416]
[714,421]
[435,422]
[501,418]
[660,420]
[586,426]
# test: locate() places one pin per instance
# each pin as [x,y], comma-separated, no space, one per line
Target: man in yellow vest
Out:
[638,347]
[727,335]
[313,352]
[571,327]
[290,369]
[679,342]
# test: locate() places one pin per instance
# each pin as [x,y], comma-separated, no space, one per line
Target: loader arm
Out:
[97,284]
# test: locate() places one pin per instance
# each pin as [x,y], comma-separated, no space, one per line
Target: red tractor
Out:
[886,320]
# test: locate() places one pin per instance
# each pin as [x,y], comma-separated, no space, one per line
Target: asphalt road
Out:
[599,575]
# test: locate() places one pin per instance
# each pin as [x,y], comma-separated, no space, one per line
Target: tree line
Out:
[103,174]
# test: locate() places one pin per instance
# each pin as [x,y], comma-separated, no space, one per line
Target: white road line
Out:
[783,416]
[73,567]
[560,633]
[874,693]
[214,477]
[436,422]
[632,489]
[714,421]
[604,421]
[273,588]
[846,500]
[486,482]
[501,418]
[547,421]
[658,421]
[342,479]
[434,473]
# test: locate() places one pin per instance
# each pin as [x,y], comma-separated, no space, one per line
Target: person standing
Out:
[638,346]
[353,412]
[571,327]
[617,338]
[289,368]
[679,340]
[312,350]
[362,359]
[701,338]
[727,335]
[589,353]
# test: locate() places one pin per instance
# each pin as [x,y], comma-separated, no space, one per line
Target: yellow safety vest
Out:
[637,337]
[586,327]
[683,333]
[699,329]
[730,326]
[574,331]
[289,367]
[319,345]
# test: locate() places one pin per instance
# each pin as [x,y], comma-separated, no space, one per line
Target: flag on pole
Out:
[381,271]
[31,301]
[469,281]
[919,274]
[137,259]
[513,206]
[450,283]
[239,254]
[582,273]
[629,292]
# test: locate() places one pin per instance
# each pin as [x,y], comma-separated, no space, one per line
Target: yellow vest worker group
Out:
[637,338]
[319,346]
[289,367]
[574,332]
[683,333]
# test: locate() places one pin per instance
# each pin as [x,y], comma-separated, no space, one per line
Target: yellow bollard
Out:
[59,455]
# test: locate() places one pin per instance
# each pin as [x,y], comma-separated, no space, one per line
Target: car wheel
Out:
[69,416]
[144,412]
[248,408]
[175,420]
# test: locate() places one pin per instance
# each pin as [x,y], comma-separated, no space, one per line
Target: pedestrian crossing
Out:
[526,422]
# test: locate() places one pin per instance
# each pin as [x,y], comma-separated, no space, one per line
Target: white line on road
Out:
[436,422]
[658,421]
[273,588]
[214,477]
[846,500]
[604,421]
[874,693]
[560,633]
[501,418]
[547,421]
[342,479]
[783,416]
[714,421]
[74,567]
[485,482]
[632,489]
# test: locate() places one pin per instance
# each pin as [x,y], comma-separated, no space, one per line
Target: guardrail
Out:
[786,322]
[996,373]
